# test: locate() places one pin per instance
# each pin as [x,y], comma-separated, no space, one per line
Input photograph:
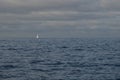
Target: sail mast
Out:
[37,36]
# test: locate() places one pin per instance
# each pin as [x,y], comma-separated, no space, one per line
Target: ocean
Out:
[60,59]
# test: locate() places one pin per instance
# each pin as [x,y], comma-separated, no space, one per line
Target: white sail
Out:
[37,36]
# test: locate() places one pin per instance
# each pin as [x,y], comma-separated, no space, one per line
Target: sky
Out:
[59,18]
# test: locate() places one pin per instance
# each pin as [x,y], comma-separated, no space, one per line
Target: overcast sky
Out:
[59,18]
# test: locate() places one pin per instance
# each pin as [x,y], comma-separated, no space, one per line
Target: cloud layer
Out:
[59,18]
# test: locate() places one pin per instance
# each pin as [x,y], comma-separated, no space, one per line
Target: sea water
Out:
[60,59]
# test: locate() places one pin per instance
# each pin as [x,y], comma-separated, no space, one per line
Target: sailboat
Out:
[37,36]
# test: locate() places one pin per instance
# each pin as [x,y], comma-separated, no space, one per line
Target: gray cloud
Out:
[59,18]
[112,5]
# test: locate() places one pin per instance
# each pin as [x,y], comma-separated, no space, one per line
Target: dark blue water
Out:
[60,59]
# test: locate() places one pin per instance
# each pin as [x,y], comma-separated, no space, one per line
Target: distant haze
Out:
[59,18]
